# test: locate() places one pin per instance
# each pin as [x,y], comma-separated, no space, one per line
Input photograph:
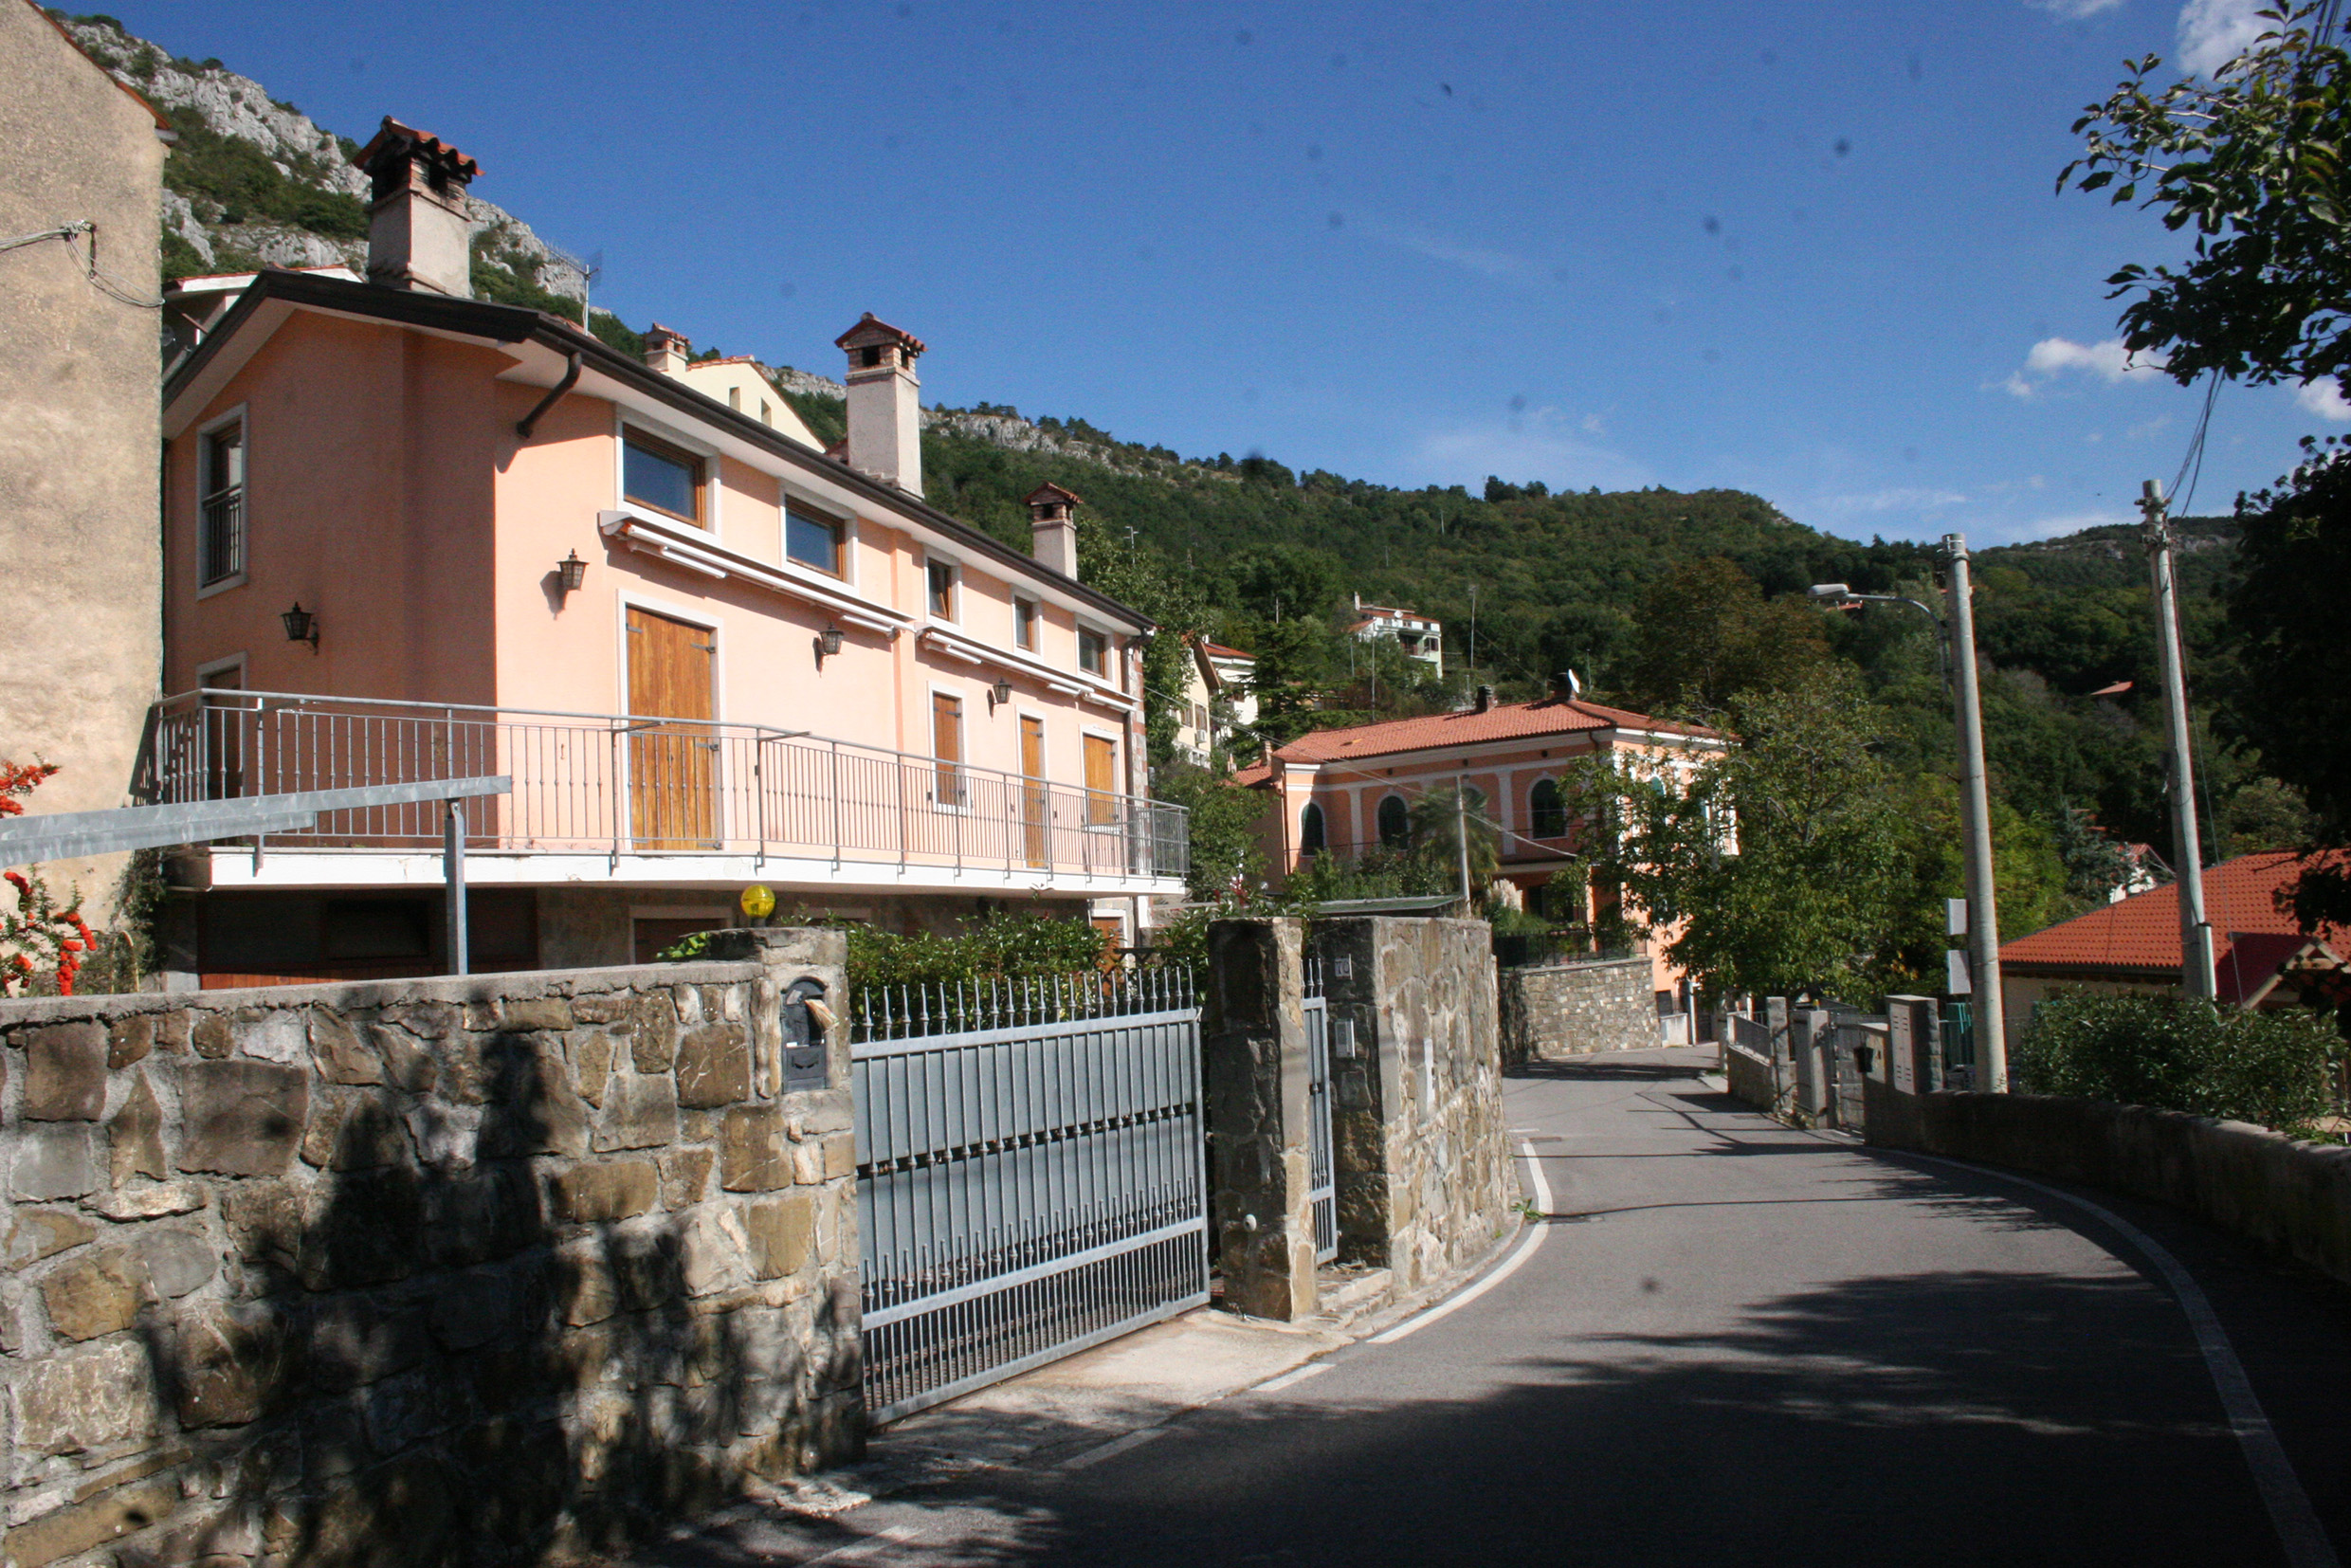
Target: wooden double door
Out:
[673,766]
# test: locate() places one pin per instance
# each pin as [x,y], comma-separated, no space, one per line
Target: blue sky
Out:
[1805,247]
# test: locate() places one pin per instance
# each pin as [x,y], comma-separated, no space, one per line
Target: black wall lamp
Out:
[828,643]
[569,572]
[999,694]
[302,626]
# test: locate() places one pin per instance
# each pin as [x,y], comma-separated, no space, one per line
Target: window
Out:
[1310,830]
[942,589]
[1547,810]
[947,748]
[220,530]
[1025,624]
[813,538]
[767,415]
[657,475]
[735,398]
[1395,823]
[1093,653]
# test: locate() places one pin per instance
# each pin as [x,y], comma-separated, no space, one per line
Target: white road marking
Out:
[1292,1379]
[1509,1267]
[1112,1448]
[2290,1514]
[897,1535]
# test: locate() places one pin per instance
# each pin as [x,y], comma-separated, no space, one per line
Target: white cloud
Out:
[2072,11]
[2212,33]
[1465,454]
[2051,357]
[1471,258]
[1594,424]
[1898,499]
[2050,528]
[2324,399]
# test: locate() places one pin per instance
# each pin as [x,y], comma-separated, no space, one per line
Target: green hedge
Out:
[2274,1069]
[1003,946]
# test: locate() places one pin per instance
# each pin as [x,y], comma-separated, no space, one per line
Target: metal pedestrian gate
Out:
[1321,1160]
[1030,1174]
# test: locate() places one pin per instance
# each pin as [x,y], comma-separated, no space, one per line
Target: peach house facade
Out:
[410,535]
[1345,791]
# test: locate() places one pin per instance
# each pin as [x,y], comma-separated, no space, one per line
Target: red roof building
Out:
[2261,958]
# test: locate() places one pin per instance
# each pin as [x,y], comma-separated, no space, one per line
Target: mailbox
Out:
[804,1021]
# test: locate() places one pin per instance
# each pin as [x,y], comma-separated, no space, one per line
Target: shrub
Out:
[1003,946]
[2183,1054]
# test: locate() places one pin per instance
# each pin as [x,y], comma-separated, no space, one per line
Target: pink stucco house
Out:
[708,653]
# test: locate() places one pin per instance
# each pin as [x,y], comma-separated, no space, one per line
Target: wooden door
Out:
[1034,802]
[672,768]
[1101,781]
[947,747]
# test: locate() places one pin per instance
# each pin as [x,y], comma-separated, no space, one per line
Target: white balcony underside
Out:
[300,868]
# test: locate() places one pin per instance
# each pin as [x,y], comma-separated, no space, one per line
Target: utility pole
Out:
[1461,838]
[1983,926]
[2196,932]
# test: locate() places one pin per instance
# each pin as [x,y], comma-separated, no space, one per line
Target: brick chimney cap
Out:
[395,140]
[871,329]
[1049,492]
[657,330]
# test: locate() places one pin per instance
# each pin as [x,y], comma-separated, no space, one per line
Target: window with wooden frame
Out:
[1093,653]
[813,538]
[1101,781]
[1025,624]
[220,513]
[942,589]
[663,478]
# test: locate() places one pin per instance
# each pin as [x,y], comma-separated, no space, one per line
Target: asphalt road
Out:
[1734,1343]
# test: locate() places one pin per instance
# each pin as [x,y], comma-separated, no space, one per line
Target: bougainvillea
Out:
[38,938]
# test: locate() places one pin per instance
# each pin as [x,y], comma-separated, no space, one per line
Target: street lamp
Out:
[1956,653]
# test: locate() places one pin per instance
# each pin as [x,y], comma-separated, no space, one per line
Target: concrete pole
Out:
[1461,841]
[1983,925]
[453,871]
[2196,932]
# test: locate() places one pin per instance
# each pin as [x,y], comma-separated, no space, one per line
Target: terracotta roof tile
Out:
[2250,935]
[1504,722]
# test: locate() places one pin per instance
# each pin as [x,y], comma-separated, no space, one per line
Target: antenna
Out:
[588,268]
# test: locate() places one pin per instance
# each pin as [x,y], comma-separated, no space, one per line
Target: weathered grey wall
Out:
[78,560]
[1570,1010]
[1253,1050]
[2292,1198]
[1425,1180]
[423,1270]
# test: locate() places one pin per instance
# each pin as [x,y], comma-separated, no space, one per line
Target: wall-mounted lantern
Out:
[569,572]
[999,694]
[828,643]
[302,626]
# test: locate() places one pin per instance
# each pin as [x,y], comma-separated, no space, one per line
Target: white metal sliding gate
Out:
[1321,1157]
[1029,1175]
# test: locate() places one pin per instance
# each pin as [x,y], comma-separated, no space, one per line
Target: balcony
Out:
[614,797]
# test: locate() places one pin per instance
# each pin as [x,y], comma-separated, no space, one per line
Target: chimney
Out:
[885,409]
[665,351]
[1564,686]
[1485,699]
[1053,529]
[418,228]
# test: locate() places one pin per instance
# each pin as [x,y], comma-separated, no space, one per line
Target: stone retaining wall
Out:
[427,1270]
[1570,1010]
[1425,1180]
[2291,1198]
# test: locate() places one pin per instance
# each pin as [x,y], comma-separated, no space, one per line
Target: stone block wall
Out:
[1425,1178]
[1570,1010]
[1253,1051]
[479,1269]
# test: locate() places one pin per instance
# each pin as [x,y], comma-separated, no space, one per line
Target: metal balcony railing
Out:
[621,785]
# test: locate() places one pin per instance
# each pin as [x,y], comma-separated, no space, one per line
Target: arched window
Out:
[1395,823]
[1547,810]
[1310,828]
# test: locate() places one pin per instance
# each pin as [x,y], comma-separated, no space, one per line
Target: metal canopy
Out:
[65,835]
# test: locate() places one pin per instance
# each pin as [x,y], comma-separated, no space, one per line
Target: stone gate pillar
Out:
[1254,1040]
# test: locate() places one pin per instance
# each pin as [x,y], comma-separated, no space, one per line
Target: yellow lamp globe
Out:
[758,901]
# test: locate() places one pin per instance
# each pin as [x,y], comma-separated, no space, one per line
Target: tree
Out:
[2251,161]
[1708,637]
[2288,616]
[1775,867]
[1439,817]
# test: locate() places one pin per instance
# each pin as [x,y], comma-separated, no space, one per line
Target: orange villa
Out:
[1343,791]
[409,535]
